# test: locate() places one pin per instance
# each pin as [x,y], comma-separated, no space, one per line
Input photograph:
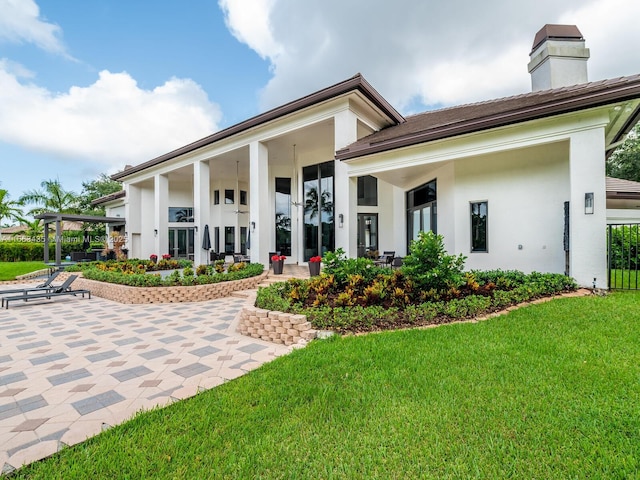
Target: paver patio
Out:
[72,367]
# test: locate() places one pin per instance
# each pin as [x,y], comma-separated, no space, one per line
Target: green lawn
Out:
[626,279]
[10,270]
[548,391]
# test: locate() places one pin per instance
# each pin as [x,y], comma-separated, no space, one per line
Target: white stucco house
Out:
[512,183]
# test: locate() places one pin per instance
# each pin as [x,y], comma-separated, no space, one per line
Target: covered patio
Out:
[58,218]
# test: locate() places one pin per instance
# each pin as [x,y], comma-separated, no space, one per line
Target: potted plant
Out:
[278,264]
[153,257]
[314,265]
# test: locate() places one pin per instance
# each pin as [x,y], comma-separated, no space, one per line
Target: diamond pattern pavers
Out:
[102,363]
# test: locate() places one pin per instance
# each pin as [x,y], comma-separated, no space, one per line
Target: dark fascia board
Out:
[49,217]
[108,198]
[579,102]
[356,82]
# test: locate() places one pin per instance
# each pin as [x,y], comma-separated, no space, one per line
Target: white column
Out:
[161,214]
[588,244]
[132,210]
[346,189]
[263,235]
[201,209]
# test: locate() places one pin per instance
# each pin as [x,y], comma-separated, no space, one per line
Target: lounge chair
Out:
[30,294]
[43,286]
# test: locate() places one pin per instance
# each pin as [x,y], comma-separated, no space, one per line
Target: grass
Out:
[548,391]
[10,270]
[625,279]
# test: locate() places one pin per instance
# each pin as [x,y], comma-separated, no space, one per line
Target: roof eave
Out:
[356,82]
[592,100]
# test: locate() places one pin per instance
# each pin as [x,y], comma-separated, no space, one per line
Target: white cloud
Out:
[20,22]
[248,21]
[109,123]
[427,52]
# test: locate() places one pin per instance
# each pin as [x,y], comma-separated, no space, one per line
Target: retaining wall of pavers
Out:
[175,294]
[276,327]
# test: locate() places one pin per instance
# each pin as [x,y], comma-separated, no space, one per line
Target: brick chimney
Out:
[558,58]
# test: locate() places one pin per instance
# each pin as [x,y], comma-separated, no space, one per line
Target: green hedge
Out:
[32,251]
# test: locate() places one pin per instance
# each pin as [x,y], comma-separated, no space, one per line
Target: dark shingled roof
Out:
[108,198]
[355,83]
[619,188]
[464,119]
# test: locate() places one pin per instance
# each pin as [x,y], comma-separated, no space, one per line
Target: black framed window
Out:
[283,216]
[479,215]
[422,211]
[367,191]
[229,197]
[243,197]
[229,240]
[319,233]
[216,239]
[216,197]
[180,214]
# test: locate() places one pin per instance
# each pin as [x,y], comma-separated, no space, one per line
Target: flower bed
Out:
[165,294]
[353,295]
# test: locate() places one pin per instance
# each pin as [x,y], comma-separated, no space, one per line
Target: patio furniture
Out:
[44,285]
[239,257]
[396,262]
[385,259]
[48,293]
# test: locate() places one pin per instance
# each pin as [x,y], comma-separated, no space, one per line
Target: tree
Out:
[9,209]
[625,161]
[52,197]
[95,189]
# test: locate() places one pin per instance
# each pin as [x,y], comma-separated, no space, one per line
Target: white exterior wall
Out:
[588,233]
[525,192]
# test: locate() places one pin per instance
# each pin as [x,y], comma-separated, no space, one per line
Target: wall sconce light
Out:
[588,203]
[195,227]
[155,232]
[341,220]
[253,225]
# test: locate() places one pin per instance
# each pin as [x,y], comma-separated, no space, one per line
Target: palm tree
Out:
[52,197]
[9,209]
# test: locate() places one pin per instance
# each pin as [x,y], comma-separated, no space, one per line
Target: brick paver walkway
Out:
[72,367]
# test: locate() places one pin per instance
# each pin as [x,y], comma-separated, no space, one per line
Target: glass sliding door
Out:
[421,210]
[181,242]
[319,229]
[283,216]
[367,233]
[229,240]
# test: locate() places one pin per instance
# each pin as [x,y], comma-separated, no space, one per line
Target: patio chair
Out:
[66,285]
[30,294]
[386,258]
[396,262]
[44,285]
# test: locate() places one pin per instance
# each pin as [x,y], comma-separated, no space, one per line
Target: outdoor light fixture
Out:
[155,232]
[341,219]
[195,227]
[253,225]
[588,203]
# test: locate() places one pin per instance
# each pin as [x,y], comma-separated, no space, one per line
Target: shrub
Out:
[429,265]
[337,264]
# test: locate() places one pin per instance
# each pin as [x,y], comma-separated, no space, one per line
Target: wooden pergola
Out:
[58,218]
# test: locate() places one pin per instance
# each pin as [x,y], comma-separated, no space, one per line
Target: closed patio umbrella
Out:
[206,241]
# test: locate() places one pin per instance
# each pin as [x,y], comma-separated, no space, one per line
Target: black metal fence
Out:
[623,246]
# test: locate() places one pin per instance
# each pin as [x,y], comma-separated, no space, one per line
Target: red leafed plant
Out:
[166,256]
[277,258]
[315,259]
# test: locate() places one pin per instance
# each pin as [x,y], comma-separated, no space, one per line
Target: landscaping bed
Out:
[353,295]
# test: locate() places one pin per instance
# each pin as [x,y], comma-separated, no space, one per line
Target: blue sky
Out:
[89,86]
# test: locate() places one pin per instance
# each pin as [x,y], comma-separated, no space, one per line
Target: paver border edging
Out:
[175,294]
